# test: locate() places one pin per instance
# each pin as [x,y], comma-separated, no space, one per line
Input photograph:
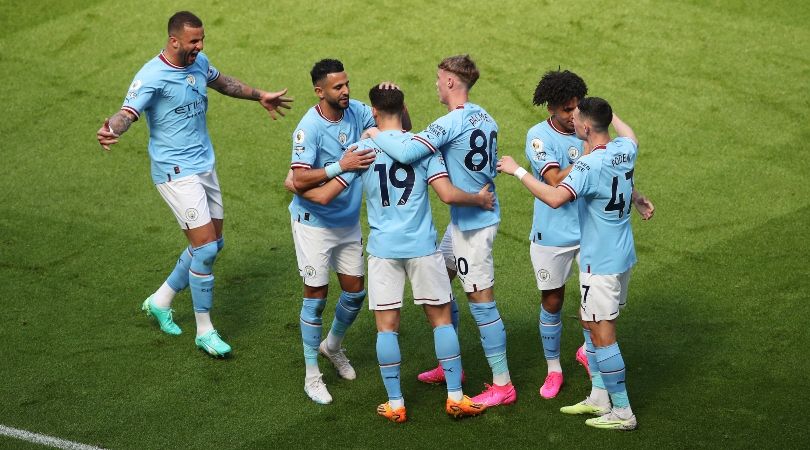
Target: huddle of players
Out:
[572,150]
[395,167]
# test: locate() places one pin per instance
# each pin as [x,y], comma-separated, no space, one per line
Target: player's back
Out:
[607,245]
[548,147]
[398,204]
[468,138]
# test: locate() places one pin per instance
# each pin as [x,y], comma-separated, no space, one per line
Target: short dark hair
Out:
[391,101]
[182,19]
[558,87]
[323,68]
[463,67]
[598,111]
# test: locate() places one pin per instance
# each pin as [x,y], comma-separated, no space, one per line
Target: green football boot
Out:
[213,344]
[586,406]
[163,316]
[612,421]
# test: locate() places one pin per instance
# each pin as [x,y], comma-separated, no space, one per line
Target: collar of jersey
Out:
[169,63]
[320,113]
[553,127]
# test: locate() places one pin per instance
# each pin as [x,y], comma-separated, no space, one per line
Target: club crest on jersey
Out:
[135,85]
[299,137]
[573,153]
[309,272]
[537,147]
[191,80]
[192,214]
[543,275]
[342,138]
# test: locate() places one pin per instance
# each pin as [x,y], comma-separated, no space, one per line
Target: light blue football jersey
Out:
[603,179]
[468,139]
[397,202]
[318,142]
[548,147]
[175,100]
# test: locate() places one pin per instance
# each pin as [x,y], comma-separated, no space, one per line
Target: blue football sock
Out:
[201,277]
[550,333]
[389,358]
[611,365]
[493,335]
[178,279]
[593,365]
[346,311]
[311,323]
[448,352]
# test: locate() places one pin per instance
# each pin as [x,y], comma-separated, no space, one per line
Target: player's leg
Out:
[431,289]
[608,294]
[386,284]
[552,267]
[597,402]
[312,247]
[347,260]
[436,374]
[473,250]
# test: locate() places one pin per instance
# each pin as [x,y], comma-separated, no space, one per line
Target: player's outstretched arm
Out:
[551,196]
[402,149]
[484,199]
[273,102]
[643,205]
[306,179]
[555,175]
[113,128]
[622,129]
[322,195]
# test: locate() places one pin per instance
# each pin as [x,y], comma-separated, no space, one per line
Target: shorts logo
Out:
[309,272]
[543,275]
[191,80]
[192,214]
[342,138]
[299,137]
[537,147]
[135,85]
[573,153]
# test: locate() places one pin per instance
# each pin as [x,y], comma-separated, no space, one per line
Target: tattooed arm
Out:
[271,101]
[114,127]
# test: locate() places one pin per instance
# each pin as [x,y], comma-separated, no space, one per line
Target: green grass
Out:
[714,334]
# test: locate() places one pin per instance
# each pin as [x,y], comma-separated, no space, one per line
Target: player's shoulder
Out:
[623,144]
[311,119]
[540,130]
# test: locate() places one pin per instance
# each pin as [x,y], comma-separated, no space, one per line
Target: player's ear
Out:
[319,91]
[374,113]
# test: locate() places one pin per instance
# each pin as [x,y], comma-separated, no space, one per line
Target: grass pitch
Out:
[713,335]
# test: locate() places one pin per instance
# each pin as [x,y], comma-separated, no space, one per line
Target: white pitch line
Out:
[42,439]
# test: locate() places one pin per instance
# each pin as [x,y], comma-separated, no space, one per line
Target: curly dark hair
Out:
[558,87]
[323,68]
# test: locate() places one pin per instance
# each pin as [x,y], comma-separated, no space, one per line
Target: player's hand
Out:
[486,198]
[388,85]
[507,165]
[644,206]
[289,184]
[275,103]
[357,160]
[370,133]
[105,135]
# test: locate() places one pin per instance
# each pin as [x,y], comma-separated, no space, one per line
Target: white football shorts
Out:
[473,252]
[386,281]
[319,249]
[446,247]
[602,296]
[552,265]
[194,200]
